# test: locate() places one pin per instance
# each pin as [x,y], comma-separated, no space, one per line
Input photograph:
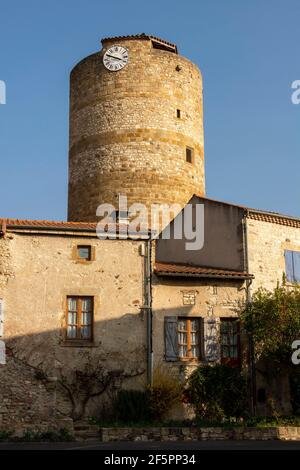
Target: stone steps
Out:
[86,432]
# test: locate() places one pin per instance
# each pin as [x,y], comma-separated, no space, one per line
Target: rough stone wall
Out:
[41,272]
[200,434]
[124,132]
[24,400]
[266,244]
[6,269]
[168,301]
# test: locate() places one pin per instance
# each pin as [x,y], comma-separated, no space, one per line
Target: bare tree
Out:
[81,385]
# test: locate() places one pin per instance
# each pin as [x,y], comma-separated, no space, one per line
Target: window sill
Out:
[78,344]
[186,361]
[189,359]
[82,261]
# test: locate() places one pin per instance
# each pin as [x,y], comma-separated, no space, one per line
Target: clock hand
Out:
[114,57]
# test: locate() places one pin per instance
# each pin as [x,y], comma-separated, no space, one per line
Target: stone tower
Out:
[136,126]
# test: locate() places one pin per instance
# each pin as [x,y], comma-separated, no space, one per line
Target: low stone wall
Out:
[199,434]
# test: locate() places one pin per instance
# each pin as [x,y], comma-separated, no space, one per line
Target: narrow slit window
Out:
[189,154]
[178,113]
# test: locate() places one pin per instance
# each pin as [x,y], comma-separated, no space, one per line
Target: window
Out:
[261,395]
[230,341]
[79,318]
[292,265]
[188,338]
[189,154]
[120,217]
[178,113]
[84,252]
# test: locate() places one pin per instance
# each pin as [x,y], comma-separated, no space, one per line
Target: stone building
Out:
[82,315]
[135,128]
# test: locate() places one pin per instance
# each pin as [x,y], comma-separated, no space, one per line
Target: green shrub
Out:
[5,435]
[132,406]
[62,435]
[152,404]
[295,390]
[165,392]
[217,392]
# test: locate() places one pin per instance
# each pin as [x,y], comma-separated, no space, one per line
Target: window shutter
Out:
[171,339]
[211,339]
[289,265]
[1,316]
[296,265]
[2,353]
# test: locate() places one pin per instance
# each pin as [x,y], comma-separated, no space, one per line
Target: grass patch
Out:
[257,421]
[34,436]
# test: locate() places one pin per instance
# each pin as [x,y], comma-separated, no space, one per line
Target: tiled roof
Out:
[258,214]
[54,225]
[167,269]
[26,223]
[142,36]
[274,218]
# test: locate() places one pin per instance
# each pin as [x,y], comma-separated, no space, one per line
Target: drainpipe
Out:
[252,375]
[148,306]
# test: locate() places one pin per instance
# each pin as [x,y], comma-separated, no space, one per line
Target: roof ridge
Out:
[251,209]
[140,36]
[189,265]
[176,269]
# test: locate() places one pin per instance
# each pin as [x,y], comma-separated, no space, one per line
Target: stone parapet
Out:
[200,433]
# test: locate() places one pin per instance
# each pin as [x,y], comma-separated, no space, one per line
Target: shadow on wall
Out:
[47,377]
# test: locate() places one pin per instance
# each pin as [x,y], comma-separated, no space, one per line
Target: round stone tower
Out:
[136,127]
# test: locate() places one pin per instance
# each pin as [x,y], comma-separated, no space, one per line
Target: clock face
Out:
[115,58]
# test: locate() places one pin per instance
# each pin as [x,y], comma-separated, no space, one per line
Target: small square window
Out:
[178,113]
[84,252]
[189,154]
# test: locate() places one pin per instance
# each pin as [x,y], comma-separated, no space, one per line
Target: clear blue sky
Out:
[248,52]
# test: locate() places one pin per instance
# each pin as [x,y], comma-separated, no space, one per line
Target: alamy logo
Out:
[2,92]
[296,353]
[296,94]
[139,221]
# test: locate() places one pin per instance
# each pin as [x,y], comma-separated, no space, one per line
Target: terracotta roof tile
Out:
[274,218]
[47,224]
[142,36]
[172,269]
[52,225]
